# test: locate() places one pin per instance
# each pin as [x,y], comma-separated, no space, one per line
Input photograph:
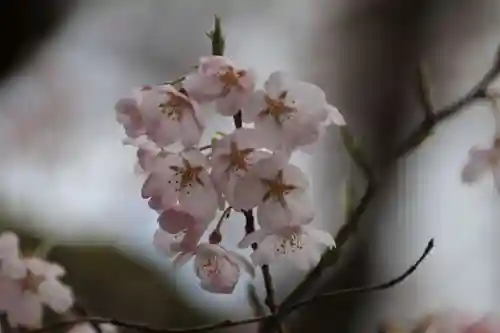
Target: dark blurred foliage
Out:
[25,25]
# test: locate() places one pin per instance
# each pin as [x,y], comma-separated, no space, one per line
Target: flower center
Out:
[188,174]
[230,79]
[237,158]
[175,106]
[291,243]
[277,189]
[31,282]
[277,108]
[210,267]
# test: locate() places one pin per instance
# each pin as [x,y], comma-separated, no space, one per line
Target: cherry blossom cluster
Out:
[27,284]
[244,170]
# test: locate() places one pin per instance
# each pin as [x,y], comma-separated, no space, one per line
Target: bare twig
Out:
[423,131]
[282,313]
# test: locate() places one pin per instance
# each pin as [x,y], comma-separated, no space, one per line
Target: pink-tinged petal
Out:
[195,157]
[224,282]
[164,131]
[214,288]
[306,259]
[164,242]
[56,295]
[320,237]
[247,81]
[129,115]
[215,269]
[191,130]
[247,138]
[155,203]
[192,237]
[26,311]
[13,267]
[477,165]
[211,65]
[201,200]
[292,175]
[248,192]
[300,207]
[202,88]
[268,168]
[255,237]
[308,97]
[147,158]
[334,116]
[277,83]
[269,132]
[10,292]
[174,220]
[9,245]
[271,215]
[266,252]
[255,105]
[43,268]
[150,187]
[230,104]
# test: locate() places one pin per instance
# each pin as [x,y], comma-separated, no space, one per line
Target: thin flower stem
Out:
[282,312]
[202,148]
[176,81]
[422,132]
[218,44]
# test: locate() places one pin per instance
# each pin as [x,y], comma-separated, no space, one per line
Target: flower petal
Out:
[56,295]
[254,237]
[477,165]
[175,220]
[26,311]
[248,192]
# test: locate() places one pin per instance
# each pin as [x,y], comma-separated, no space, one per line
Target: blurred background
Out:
[66,178]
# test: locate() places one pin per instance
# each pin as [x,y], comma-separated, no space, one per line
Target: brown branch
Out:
[282,313]
[432,119]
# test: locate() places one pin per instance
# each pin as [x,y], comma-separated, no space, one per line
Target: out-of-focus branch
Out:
[424,130]
[281,313]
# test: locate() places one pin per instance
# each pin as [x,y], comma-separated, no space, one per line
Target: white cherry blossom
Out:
[219,269]
[290,113]
[182,180]
[219,79]
[232,157]
[40,286]
[170,115]
[11,264]
[128,114]
[278,190]
[187,229]
[302,244]
[481,162]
